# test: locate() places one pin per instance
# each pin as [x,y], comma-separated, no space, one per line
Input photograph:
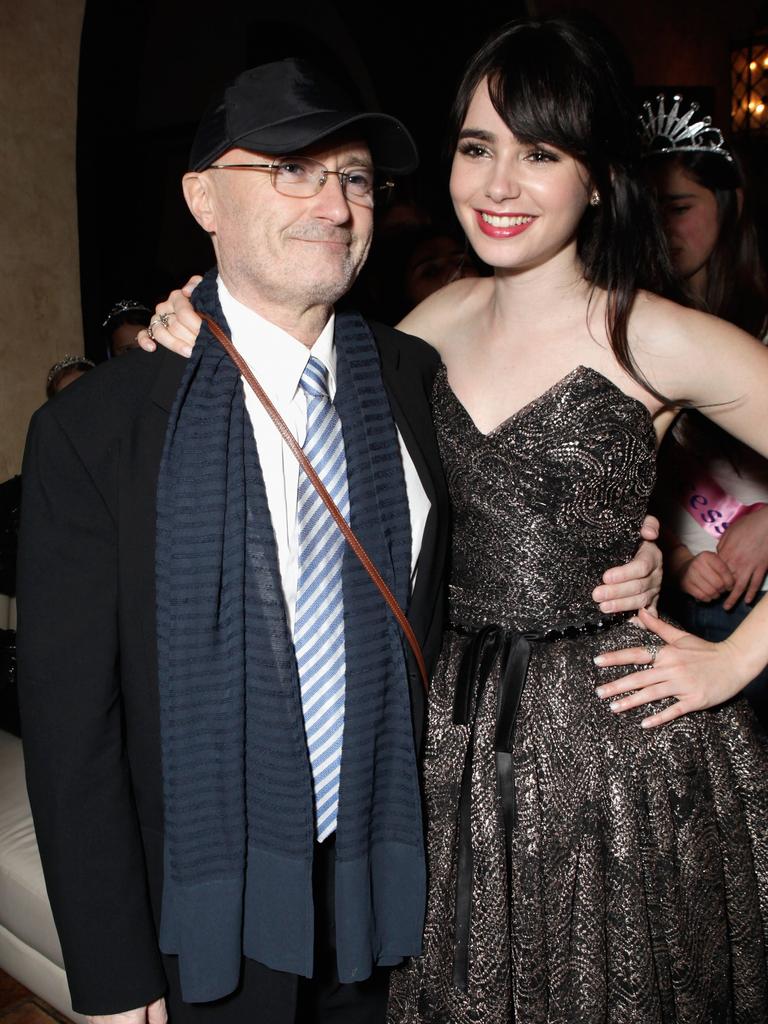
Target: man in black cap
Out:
[198,646]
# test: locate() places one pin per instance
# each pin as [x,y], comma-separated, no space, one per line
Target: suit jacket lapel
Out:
[416,425]
[409,400]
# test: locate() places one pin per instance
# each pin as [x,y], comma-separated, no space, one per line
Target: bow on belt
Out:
[513,650]
[485,647]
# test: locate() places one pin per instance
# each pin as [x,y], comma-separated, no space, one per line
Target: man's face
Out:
[288,251]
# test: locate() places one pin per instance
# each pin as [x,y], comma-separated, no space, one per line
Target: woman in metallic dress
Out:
[597,847]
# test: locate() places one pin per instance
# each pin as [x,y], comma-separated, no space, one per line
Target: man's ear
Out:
[196,188]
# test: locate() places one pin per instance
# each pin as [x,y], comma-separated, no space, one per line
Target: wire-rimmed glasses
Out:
[301,176]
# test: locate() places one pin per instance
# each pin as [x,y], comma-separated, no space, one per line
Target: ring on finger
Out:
[150,329]
[165,318]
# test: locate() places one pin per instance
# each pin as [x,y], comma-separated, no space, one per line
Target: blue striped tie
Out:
[319,628]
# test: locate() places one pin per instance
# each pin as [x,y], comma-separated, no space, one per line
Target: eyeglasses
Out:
[302,177]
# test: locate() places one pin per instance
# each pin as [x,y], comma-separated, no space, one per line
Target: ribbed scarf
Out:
[239,833]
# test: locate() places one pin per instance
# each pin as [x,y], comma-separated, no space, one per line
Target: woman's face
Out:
[690,218]
[519,203]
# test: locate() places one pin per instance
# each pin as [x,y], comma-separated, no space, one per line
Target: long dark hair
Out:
[557,82]
[736,287]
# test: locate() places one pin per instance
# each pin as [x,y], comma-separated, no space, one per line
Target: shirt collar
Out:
[276,358]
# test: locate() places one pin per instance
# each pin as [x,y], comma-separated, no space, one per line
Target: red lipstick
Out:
[504,230]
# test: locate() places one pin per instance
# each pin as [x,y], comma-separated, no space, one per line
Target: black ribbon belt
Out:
[513,651]
[481,654]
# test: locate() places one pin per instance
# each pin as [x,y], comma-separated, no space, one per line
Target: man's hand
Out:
[181,333]
[634,585]
[744,550]
[155,1013]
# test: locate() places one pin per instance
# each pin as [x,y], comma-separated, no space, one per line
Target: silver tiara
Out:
[673,132]
[65,364]
[125,306]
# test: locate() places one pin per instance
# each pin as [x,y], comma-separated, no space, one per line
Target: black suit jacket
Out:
[87,650]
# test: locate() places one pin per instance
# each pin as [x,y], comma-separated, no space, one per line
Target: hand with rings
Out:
[175,324]
[163,318]
[697,673]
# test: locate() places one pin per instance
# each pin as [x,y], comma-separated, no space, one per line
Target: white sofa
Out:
[29,946]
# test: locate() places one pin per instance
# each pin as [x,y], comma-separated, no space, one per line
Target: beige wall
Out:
[39,277]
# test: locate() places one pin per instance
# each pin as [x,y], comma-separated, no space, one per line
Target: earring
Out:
[594,199]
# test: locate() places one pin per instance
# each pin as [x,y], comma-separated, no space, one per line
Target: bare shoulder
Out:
[677,348]
[661,325]
[446,313]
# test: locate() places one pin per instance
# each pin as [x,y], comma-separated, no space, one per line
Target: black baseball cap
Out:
[283,107]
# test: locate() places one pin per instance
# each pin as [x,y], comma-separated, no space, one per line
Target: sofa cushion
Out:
[24,908]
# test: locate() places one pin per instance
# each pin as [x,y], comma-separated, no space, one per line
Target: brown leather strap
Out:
[330,504]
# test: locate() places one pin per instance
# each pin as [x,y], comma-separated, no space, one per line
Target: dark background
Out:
[147,71]
[149,67]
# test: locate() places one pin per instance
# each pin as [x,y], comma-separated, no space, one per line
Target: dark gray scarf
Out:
[239,824]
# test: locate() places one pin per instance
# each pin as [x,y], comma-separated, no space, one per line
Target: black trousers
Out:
[265,996]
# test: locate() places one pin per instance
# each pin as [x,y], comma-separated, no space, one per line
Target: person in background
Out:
[124,321]
[66,372]
[713,490]
[437,258]
[60,376]
[407,266]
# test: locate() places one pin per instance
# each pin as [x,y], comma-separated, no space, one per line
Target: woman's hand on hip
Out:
[696,673]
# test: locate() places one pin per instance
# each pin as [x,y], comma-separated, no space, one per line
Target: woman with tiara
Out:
[597,847]
[713,490]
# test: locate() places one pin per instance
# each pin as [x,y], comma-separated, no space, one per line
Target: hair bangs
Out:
[551,82]
[535,92]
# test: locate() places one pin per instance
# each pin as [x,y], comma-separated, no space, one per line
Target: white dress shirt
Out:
[277,360]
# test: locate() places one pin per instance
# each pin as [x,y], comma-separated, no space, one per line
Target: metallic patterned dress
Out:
[582,870]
